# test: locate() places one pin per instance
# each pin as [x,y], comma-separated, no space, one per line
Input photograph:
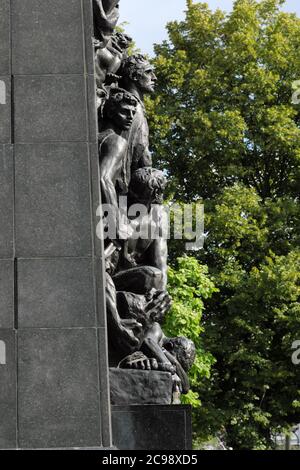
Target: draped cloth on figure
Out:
[106,15]
[138,154]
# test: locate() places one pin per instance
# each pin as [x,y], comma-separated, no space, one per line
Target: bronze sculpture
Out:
[136,257]
[106,15]
[138,77]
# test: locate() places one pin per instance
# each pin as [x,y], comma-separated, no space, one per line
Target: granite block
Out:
[100,292]
[89,33]
[6,293]
[58,388]
[50,108]
[93,119]
[152,427]
[6,201]
[5,110]
[104,388]
[139,387]
[52,200]
[4,37]
[8,399]
[96,198]
[56,293]
[47,37]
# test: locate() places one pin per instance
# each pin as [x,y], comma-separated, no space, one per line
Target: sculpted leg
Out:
[121,331]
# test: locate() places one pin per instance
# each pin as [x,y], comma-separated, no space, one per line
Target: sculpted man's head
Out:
[184,350]
[137,72]
[120,108]
[147,186]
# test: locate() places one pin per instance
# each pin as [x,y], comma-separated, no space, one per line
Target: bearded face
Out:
[145,78]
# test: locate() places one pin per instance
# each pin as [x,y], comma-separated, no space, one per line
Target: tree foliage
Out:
[224,125]
[224,112]
[189,285]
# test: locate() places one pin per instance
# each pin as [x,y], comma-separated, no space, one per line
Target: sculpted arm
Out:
[102,7]
[159,247]
[152,348]
[112,152]
[157,257]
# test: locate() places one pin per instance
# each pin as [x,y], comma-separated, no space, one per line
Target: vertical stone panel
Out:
[5,37]
[8,369]
[53,216]
[8,402]
[6,201]
[6,294]
[62,286]
[48,256]
[47,37]
[58,388]
[5,110]
[50,108]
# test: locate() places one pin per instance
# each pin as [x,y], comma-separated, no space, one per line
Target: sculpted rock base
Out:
[139,387]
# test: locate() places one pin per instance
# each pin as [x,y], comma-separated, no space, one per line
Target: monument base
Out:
[139,387]
[152,427]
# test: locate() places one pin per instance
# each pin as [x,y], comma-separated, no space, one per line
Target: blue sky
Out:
[147,18]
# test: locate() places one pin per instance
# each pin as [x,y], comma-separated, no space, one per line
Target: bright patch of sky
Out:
[147,18]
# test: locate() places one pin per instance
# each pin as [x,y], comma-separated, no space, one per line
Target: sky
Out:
[147,18]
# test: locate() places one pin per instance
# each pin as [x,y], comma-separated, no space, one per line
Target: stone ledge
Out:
[139,387]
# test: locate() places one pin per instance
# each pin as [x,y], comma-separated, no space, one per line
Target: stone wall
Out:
[54,382]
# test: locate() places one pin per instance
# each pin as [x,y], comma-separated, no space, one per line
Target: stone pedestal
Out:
[53,367]
[136,387]
[152,427]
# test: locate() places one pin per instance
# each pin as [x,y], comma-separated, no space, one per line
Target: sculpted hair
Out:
[132,66]
[148,178]
[117,97]
[185,351]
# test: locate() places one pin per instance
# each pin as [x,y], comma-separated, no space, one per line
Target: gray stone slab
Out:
[6,293]
[139,387]
[5,110]
[47,37]
[93,123]
[50,108]
[96,198]
[52,200]
[100,293]
[6,201]
[8,402]
[55,293]
[89,33]
[104,388]
[4,37]
[58,388]
[152,427]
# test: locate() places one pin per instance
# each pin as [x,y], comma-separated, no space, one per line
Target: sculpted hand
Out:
[138,361]
[158,305]
[166,367]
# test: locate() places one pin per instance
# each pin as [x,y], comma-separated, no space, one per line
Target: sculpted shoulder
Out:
[114,143]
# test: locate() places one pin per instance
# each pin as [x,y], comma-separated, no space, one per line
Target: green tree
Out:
[224,112]
[224,125]
[189,285]
[251,323]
